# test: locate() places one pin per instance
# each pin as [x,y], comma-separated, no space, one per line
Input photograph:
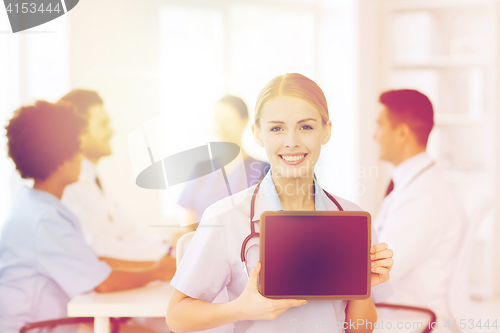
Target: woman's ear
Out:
[328,132]
[256,135]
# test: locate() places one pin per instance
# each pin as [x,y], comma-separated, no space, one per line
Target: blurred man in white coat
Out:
[106,227]
[420,217]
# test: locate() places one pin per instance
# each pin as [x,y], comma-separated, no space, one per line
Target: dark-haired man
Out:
[420,217]
[106,227]
[44,260]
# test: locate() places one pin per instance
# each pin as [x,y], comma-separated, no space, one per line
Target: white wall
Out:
[119,56]
[376,174]
[34,64]
[115,51]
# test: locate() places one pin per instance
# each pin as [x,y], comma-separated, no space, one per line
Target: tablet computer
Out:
[315,255]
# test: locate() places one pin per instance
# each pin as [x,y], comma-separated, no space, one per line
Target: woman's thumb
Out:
[254,274]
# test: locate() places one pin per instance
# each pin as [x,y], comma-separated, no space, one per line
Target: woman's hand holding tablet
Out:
[381,263]
[315,255]
[311,251]
[258,307]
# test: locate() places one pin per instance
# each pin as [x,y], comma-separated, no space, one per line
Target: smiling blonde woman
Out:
[291,123]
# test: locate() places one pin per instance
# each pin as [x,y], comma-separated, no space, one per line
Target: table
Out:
[147,301]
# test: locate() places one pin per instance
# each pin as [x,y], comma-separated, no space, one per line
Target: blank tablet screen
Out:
[316,255]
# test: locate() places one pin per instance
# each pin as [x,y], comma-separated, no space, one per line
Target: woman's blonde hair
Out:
[294,85]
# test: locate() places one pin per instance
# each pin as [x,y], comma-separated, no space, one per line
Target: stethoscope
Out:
[256,234]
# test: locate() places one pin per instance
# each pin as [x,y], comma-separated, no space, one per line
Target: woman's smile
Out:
[293,159]
[292,132]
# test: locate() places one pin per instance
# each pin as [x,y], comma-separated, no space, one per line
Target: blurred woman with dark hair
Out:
[44,260]
[231,118]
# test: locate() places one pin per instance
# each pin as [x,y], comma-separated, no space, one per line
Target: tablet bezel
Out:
[261,284]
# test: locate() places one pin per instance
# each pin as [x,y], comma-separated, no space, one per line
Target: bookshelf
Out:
[448,49]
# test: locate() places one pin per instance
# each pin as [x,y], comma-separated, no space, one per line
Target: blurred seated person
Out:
[231,118]
[44,259]
[106,227]
[420,217]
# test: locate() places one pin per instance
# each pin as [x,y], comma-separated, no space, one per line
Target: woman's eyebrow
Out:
[304,120]
[300,121]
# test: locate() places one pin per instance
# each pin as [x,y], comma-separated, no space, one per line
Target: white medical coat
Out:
[212,261]
[106,227]
[423,223]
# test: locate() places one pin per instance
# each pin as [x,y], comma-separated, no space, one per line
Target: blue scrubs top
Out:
[44,262]
[201,192]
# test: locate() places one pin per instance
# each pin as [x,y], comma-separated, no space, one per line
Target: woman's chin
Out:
[292,173]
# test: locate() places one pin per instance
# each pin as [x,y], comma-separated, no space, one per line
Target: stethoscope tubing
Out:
[252,224]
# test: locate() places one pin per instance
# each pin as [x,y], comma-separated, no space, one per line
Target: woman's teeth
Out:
[292,158]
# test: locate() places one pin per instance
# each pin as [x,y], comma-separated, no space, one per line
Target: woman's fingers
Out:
[387,262]
[258,307]
[288,303]
[378,247]
[381,263]
[278,306]
[379,275]
[254,274]
[387,253]
[383,273]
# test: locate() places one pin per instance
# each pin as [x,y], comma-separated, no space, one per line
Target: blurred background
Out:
[160,65]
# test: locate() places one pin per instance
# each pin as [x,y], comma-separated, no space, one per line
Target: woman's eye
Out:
[306,127]
[276,129]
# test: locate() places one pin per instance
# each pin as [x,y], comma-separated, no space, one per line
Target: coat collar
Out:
[268,200]
[408,169]
[88,169]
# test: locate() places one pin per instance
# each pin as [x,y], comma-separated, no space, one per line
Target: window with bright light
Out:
[236,47]
[33,65]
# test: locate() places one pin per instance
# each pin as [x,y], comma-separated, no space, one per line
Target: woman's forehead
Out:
[288,109]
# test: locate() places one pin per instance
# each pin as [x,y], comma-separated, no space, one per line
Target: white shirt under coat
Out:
[423,223]
[106,227]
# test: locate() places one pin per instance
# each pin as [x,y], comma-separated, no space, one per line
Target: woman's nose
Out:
[292,139]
